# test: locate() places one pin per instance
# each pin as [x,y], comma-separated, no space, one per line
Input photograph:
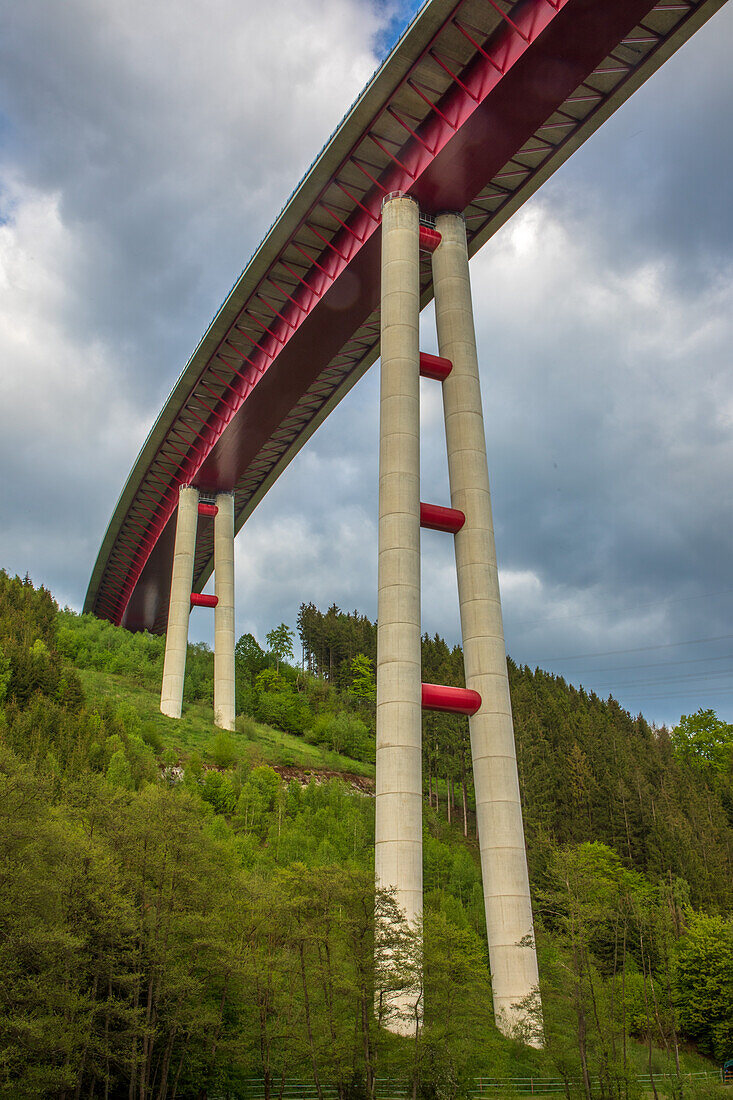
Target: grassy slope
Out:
[194,731]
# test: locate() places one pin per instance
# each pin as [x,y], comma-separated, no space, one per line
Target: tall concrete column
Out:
[179,608]
[398,838]
[224,698]
[512,953]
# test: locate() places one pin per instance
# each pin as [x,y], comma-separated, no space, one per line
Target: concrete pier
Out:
[179,608]
[509,922]
[398,839]
[224,697]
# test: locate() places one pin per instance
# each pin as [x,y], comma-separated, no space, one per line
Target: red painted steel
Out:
[450,699]
[437,518]
[429,238]
[434,366]
[201,599]
[499,118]
[207,509]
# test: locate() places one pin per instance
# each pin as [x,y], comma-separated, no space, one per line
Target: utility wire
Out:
[661,679]
[619,610]
[637,649]
[658,664]
[679,694]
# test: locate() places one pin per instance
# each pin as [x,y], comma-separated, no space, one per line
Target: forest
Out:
[196,918]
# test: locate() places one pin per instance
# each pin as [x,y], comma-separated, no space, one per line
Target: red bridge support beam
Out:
[451,700]
[434,366]
[205,509]
[429,238]
[201,599]
[437,518]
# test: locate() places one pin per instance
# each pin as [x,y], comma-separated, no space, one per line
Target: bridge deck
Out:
[478,103]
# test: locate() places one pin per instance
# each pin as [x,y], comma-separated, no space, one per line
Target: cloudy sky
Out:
[144,151]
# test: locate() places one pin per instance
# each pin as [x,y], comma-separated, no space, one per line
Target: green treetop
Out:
[704,739]
[280,641]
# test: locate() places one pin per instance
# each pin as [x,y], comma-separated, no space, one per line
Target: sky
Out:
[145,149]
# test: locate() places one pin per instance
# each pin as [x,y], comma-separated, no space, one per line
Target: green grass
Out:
[194,731]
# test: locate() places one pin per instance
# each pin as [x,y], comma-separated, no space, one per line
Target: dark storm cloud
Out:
[656,175]
[171,135]
[609,432]
[145,152]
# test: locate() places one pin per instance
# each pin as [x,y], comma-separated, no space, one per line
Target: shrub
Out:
[285,711]
[269,680]
[142,760]
[151,737]
[119,772]
[218,791]
[224,750]
[246,698]
[257,798]
[343,733]
[247,726]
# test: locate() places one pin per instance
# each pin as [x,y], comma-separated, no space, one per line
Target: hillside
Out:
[185,910]
[255,743]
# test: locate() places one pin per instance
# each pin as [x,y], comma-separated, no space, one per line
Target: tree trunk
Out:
[605,1078]
[165,1068]
[309,1028]
[178,1073]
[106,1041]
[623,1009]
[648,1021]
[582,1043]
[85,1051]
[368,1060]
[147,1037]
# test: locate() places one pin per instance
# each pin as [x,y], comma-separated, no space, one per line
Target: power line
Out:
[664,679]
[618,610]
[637,649]
[658,664]
[681,694]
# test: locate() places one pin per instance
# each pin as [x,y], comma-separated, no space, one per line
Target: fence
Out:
[484,1087]
[544,1085]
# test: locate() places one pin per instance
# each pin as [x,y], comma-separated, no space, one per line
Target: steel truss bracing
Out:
[470,112]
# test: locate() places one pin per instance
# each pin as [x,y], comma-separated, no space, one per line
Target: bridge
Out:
[479,102]
[476,106]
